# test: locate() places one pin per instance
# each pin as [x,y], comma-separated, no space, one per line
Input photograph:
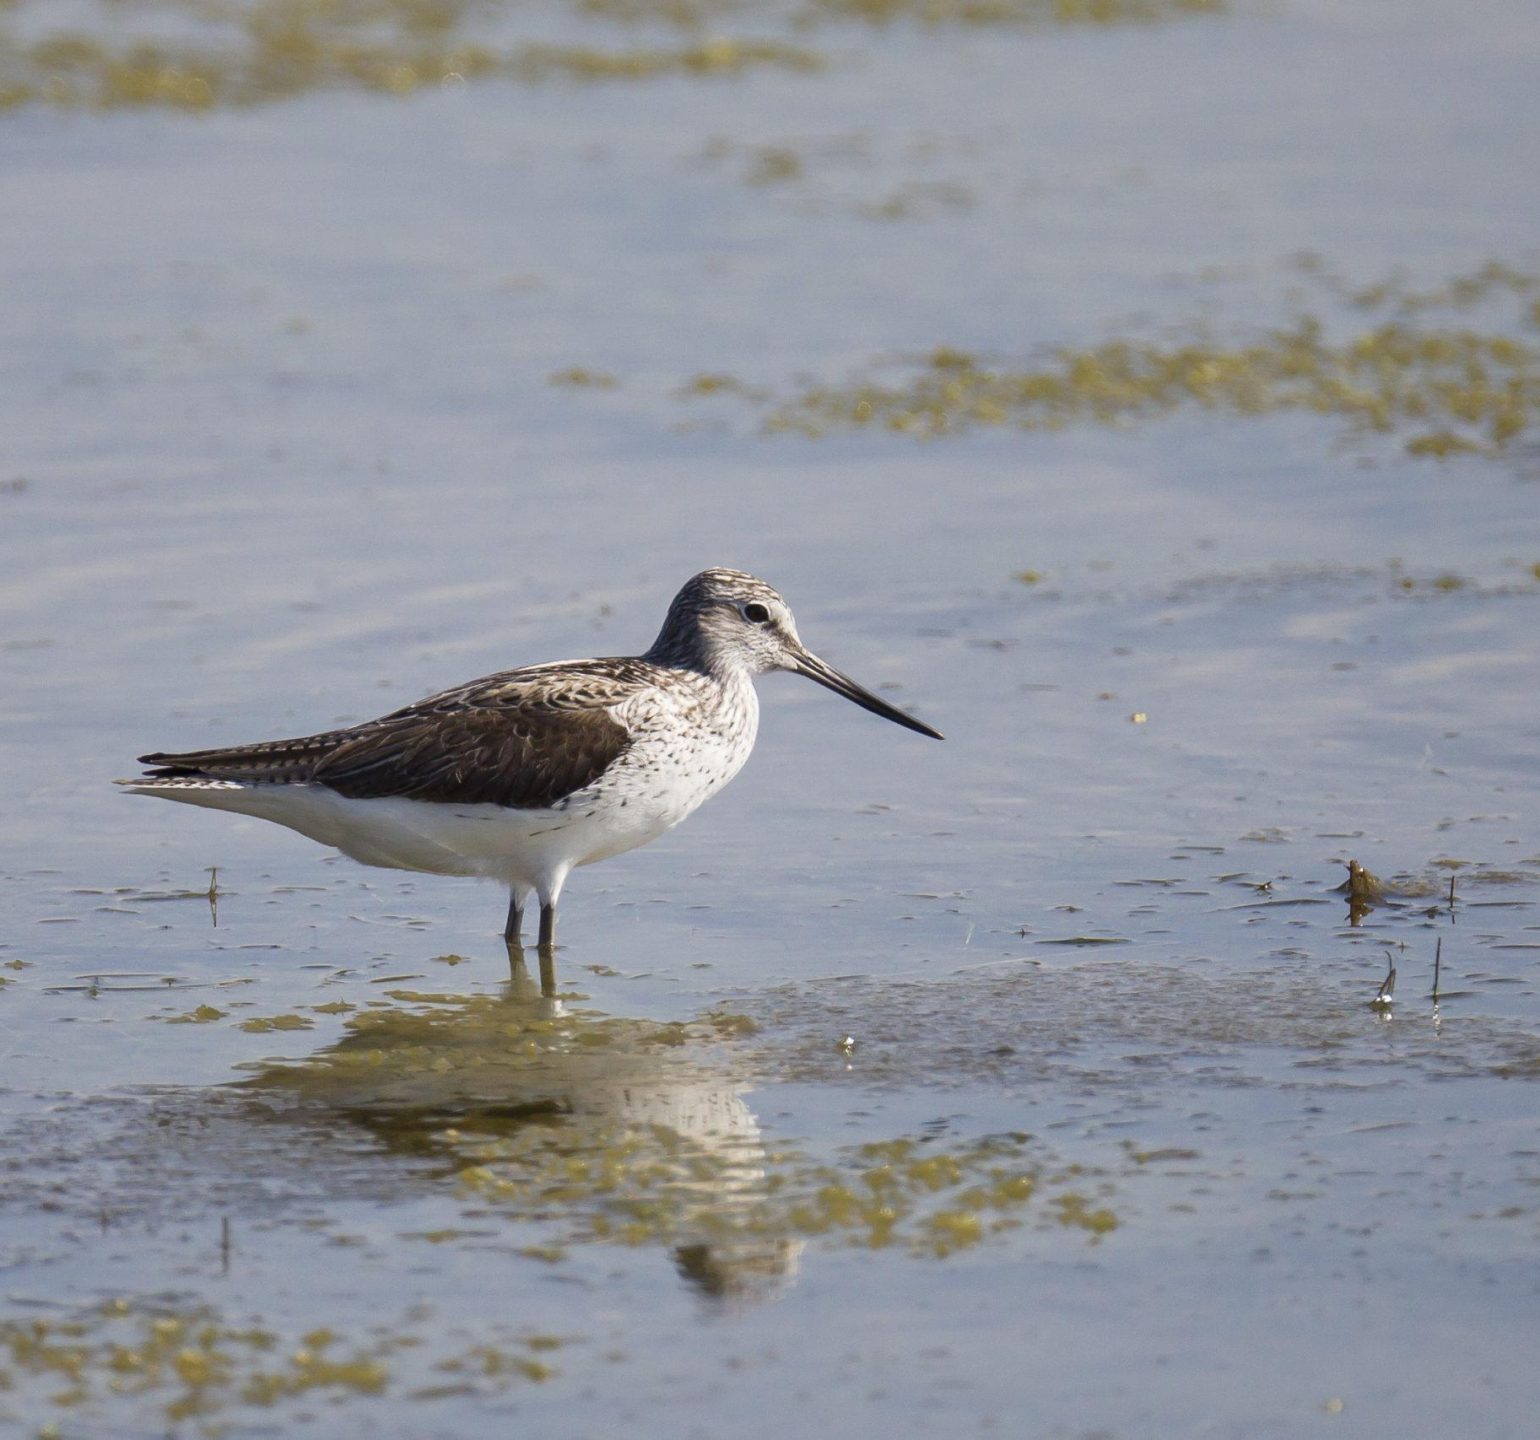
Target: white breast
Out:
[687,743]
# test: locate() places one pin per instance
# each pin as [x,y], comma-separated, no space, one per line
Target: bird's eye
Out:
[756,613]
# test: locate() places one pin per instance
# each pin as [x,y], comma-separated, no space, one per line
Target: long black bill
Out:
[810,665]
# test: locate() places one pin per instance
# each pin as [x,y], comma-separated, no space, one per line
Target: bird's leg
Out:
[548,949]
[513,930]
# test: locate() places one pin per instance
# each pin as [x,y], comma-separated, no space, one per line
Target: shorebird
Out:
[525,775]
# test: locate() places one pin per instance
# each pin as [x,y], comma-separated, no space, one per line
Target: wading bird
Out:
[524,775]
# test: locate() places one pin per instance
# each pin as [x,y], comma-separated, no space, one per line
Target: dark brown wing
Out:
[526,759]
[524,738]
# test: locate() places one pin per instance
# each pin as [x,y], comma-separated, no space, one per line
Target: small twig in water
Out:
[1438,952]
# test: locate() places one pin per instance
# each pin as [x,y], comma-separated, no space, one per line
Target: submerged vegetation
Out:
[1439,384]
[203,54]
[1008,12]
[548,1130]
[640,1186]
[77,71]
[266,50]
[1460,390]
[191,1367]
[603,1130]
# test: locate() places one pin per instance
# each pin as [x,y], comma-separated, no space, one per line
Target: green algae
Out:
[270,50]
[679,14]
[82,73]
[716,56]
[773,165]
[931,14]
[1494,279]
[719,383]
[201,1015]
[271,62]
[1438,385]
[266,1024]
[637,1187]
[490,1361]
[1475,393]
[615,1131]
[192,1367]
[1391,580]
[577,377]
[198,55]
[190,1363]
[1010,13]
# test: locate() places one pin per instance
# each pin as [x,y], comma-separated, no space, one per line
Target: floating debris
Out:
[1385,996]
[1362,887]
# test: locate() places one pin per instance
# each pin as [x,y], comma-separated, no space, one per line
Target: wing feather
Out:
[268,761]
[524,738]
[477,756]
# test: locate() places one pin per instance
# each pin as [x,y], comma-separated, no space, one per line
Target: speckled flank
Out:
[527,774]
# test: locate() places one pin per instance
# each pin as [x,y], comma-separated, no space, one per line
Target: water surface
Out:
[1024,1084]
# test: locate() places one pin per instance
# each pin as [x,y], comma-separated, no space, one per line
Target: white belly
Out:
[671,768]
[649,792]
[517,847]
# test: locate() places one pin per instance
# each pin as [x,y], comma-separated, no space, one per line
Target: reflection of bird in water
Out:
[600,1124]
[527,774]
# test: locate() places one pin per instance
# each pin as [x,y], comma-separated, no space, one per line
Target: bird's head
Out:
[725,621]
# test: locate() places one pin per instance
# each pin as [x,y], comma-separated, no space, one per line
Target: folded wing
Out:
[498,743]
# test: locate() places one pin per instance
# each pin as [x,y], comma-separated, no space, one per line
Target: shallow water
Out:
[1023,1084]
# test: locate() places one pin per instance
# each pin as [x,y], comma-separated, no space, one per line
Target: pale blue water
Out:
[276,383]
